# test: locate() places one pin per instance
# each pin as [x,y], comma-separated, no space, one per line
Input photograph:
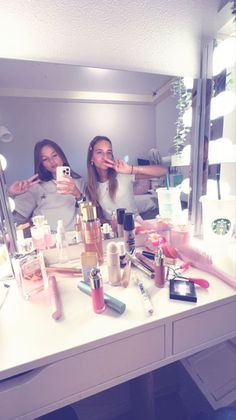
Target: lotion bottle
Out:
[113,264]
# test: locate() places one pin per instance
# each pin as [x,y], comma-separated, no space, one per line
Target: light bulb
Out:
[12,204]
[188,83]
[222,104]
[187,117]
[3,162]
[185,186]
[224,55]
[221,150]
[185,155]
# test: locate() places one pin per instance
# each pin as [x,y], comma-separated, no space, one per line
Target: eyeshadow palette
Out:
[183,290]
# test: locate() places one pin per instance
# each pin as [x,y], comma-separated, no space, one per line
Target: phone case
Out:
[62,171]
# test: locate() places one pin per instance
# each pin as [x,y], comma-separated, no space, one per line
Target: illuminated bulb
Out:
[187,117]
[224,55]
[222,104]
[188,83]
[185,155]
[12,204]
[185,186]
[212,191]
[221,150]
[126,158]
[3,162]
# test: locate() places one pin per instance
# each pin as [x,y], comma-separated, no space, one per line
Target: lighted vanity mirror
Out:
[72,104]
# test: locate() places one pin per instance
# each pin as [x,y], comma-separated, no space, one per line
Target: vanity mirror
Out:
[72,104]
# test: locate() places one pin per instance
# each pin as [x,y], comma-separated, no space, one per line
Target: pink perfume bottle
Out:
[97,290]
[91,227]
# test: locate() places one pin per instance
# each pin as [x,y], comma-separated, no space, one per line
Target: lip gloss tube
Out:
[159,269]
[97,291]
[112,303]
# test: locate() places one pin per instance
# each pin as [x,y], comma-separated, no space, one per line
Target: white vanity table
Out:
[47,364]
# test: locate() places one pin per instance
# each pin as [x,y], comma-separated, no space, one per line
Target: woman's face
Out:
[50,159]
[101,152]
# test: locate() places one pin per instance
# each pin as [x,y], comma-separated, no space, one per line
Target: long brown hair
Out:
[44,174]
[93,177]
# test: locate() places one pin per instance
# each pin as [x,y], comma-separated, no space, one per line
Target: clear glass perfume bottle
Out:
[91,227]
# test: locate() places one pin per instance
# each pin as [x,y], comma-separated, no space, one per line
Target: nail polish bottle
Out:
[97,291]
[91,227]
[159,269]
[113,264]
[120,214]
[129,235]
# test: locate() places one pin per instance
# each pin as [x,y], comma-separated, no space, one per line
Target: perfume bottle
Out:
[61,242]
[91,227]
[97,290]
[129,235]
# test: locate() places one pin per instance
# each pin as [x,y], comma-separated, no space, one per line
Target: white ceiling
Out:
[146,35]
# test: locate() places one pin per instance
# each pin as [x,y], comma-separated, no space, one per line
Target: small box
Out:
[183,290]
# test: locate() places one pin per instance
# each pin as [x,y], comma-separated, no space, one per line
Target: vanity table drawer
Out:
[195,330]
[65,381]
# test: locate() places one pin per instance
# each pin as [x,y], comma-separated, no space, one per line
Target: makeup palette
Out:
[183,290]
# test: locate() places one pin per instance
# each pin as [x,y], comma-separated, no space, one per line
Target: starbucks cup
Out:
[218,220]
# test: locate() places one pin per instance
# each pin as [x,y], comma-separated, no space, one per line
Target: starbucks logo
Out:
[221,226]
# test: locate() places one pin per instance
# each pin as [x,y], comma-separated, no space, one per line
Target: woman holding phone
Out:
[110,181]
[43,194]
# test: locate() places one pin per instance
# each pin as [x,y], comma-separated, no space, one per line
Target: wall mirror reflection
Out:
[72,104]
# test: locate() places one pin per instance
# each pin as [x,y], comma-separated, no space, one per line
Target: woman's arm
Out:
[144,172]
[20,187]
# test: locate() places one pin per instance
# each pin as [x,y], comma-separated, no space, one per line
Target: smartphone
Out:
[61,172]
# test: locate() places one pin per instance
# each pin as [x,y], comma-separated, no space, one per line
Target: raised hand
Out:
[119,166]
[20,187]
[68,186]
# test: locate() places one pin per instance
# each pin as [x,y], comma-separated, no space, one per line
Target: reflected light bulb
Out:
[185,155]
[126,158]
[185,186]
[3,162]
[222,104]
[188,83]
[224,55]
[212,191]
[187,117]
[220,150]
[12,204]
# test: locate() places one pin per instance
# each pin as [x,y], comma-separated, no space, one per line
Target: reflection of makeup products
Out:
[120,214]
[89,260]
[145,297]
[110,301]
[54,298]
[159,269]
[125,279]
[97,290]
[114,224]
[92,235]
[121,248]
[113,264]
[182,290]
[129,235]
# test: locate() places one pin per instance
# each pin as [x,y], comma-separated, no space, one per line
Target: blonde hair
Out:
[93,176]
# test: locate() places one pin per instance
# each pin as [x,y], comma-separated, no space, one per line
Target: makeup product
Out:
[113,303]
[89,260]
[122,256]
[106,231]
[48,238]
[69,272]
[120,214]
[159,269]
[113,264]
[92,234]
[125,279]
[149,264]
[97,291]
[129,234]
[182,290]
[145,297]
[114,224]
[61,242]
[30,273]
[138,264]
[148,254]
[54,298]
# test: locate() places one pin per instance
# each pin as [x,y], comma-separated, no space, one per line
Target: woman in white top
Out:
[110,181]
[42,194]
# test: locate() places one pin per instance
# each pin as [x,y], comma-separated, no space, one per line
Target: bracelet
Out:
[132,168]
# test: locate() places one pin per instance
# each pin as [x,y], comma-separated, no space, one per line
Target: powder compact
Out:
[183,290]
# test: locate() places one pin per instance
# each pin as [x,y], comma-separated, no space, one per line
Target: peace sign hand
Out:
[20,187]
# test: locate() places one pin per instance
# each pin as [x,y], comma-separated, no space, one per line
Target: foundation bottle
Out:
[129,235]
[113,264]
[91,230]
[120,214]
